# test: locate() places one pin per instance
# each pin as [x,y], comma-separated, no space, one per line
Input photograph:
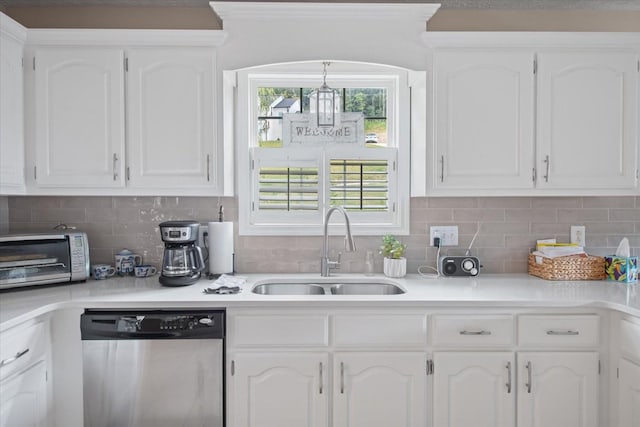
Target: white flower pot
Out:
[395,267]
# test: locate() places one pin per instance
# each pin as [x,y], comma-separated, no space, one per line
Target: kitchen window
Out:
[286,186]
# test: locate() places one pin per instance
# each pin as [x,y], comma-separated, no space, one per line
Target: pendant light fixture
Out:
[325,101]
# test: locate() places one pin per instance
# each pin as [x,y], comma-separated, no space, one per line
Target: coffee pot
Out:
[182,262]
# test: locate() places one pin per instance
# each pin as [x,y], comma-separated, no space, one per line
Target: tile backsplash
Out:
[509,227]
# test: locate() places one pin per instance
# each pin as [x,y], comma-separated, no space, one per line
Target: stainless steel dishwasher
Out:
[153,368]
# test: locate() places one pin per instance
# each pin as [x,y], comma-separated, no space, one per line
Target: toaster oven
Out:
[38,259]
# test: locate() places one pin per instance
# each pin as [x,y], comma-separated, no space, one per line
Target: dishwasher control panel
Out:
[152,324]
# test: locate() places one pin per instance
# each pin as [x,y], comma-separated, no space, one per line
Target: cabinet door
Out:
[79,123]
[587,119]
[11,112]
[379,389]
[170,117]
[279,389]
[474,389]
[484,123]
[23,398]
[628,394]
[558,389]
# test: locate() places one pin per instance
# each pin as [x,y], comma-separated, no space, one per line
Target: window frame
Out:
[397,153]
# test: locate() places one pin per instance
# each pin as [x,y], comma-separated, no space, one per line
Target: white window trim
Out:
[341,74]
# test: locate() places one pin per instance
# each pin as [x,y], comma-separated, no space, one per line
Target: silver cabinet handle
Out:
[208,167]
[566,332]
[115,166]
[341,377]
[480,332]
[546,161]
[441,168]
[508,384]
[528,384]
[321,380]
[17,356]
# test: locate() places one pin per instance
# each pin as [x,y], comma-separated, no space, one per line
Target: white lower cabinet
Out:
[293,389]
[628,394]
[24,358]
[280,389]
[474,389]
[553,389]
[558,389]
[23,398]
[379,389]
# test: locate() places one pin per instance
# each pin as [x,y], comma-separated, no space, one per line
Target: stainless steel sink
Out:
[366,289]
[325,287]
[288,289]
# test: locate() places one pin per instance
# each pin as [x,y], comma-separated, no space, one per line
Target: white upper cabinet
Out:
[587,119]
[522,114]
[170,117]
[79,117]
[484,121]
[12,38]
[124,112]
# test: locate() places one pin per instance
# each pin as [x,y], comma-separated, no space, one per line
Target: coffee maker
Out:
[182,262]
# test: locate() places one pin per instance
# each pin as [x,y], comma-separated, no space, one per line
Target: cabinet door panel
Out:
[79,124]
[474,389]
[484,121]
[558,389]
[379,389]
[11,115]
[170,117]
[629,394]
[587,119]
[23,398]
[279,389]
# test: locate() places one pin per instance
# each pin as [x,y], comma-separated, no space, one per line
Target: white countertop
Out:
[501,290]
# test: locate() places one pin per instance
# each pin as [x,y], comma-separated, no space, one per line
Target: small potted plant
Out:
[395,264]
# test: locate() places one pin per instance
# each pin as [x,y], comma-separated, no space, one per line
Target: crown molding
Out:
[418,12]
[119,37]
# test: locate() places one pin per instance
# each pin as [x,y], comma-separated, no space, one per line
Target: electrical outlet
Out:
[448,235]
[578,235]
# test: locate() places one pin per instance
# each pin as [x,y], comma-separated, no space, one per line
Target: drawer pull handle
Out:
[508,384]
[481,332]
[528,384]
[10,360]
[567,332]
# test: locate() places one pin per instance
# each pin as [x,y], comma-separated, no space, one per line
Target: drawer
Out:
[473,330]
[630,339]
[20,347]
[289,330]
[368,330]
[559,330]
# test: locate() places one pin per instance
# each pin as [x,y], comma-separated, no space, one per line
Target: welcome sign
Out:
[301,129]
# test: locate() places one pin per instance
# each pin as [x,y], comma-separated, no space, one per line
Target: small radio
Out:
[459,266]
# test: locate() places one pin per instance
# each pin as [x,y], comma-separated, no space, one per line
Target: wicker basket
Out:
[573,267]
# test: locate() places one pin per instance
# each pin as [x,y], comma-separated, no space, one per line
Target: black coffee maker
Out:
[182,262]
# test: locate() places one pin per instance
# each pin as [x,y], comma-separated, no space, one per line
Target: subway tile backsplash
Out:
[509,227]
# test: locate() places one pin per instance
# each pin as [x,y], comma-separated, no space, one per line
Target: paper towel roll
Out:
[220,247]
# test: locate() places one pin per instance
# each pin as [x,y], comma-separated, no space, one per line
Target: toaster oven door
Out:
[34,260]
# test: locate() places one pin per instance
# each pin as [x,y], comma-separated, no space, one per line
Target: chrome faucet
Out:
[327,265]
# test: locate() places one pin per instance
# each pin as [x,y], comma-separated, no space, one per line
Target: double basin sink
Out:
[334,287]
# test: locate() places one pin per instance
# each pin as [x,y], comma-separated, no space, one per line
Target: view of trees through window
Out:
[276,101]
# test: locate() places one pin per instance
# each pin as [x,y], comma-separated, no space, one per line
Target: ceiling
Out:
[446,4]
